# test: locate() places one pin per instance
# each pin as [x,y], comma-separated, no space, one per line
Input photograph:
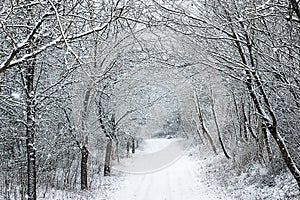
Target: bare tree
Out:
[244,42]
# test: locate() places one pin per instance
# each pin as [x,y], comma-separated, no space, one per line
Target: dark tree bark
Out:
[30,132]
[285,153]
[30,116]
[263,105]
[218,129]
[107,168]
[266,141]
[204,128]
[198,131]
[128,148]
[84,167]
[133,145]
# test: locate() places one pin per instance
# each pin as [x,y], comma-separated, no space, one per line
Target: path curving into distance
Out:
[163,170]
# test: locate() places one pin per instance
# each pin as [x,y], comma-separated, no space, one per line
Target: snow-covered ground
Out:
[170,173]
[173,169]
[154,155]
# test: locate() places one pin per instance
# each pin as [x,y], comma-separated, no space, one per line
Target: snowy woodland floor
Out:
[171,169]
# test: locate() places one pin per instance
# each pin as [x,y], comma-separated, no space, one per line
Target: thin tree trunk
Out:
[30,132]
[30,117]
[84,173]
[133,145]
[218,129]
[247,123]
[117,150]
[22,185]
[237,115]
[266,141]
[7,188]
[272,127]
[204,129]
[198,131]
[84,143]
[107,164]
[252,81]
[137,144]
[285,154]
[244,122]
[128,148]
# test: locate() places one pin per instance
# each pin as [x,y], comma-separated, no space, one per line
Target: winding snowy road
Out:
[164,171]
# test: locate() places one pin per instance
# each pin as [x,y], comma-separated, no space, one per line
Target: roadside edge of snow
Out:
[251,183]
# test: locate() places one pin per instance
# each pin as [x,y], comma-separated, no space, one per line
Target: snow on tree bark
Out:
[204,128]
[30,132]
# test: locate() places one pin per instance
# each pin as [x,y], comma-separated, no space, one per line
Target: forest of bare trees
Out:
[67,106]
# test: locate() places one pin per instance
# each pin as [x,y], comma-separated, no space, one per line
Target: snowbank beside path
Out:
[252,182]
[181,173]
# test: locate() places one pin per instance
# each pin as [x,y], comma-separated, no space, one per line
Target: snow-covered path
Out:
[178,179]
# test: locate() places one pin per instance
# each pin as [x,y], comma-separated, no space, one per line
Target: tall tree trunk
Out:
[22,184]
[30,132]
[84,142]
[237,115]
[117,150]
[244,122]
[266,141]
[128,148]
[285,154]
[137,144]
[217,125]
[264,108]
[198,131]
[204,128]
[107,163]
[84,173]
[133,145]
